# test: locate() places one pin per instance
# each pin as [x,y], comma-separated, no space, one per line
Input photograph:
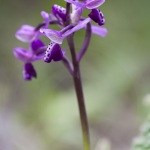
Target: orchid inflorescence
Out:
[69,22]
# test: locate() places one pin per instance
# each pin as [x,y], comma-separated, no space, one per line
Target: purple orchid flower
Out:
[58,36]
[97,16]
[29,56]
[69,21]
[59,12]
[88,4]
[27,33]
[78,22]
[53,52]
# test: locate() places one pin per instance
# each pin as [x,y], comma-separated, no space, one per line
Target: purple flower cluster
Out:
[69,22]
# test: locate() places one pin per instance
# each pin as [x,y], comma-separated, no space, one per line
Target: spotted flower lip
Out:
[54,53]
[88,4]
[97,16]
[59,12]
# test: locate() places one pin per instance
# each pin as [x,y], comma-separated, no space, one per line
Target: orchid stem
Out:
[78,85]
[86,42]
[68,65]
[79,94]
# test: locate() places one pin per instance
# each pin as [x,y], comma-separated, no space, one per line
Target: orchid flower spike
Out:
[88,4]
[29,56]
[53,51]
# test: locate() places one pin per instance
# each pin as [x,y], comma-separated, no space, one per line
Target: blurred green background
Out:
[43,114]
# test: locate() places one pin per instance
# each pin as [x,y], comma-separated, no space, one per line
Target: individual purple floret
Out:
[53,52]
[29,56]
[59,12]
[97,16]
[26,33]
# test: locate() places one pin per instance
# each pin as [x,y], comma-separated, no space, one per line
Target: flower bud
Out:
[29,71]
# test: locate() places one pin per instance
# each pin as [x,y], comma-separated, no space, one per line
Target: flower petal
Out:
[36,44]
[76,14]
[79,26]
[79,4]
[26,33]
[57,55]
[45,16]
[59,12]
[91,4]
[99,31]
[23,54]
[53,35]
[97,16]
[53,52]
